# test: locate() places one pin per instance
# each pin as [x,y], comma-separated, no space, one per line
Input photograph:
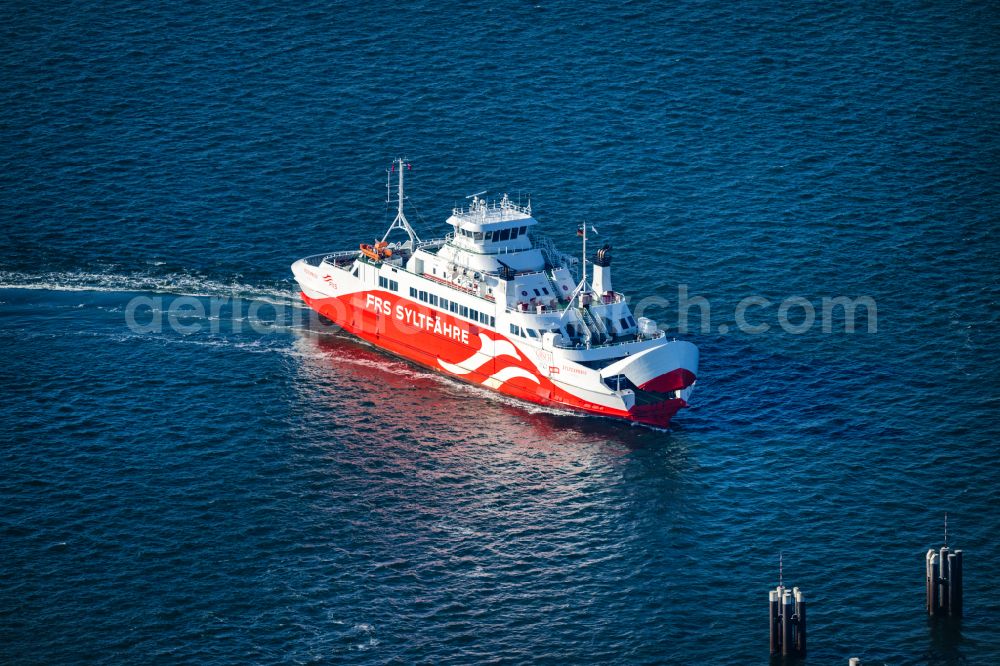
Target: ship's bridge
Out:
[498,228]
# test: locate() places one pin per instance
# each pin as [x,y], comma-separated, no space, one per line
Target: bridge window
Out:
[493,322]
[505,234]
[383,282]
[532,333]
[434,300]
[413,292]
[453,306]
[513,234]
[444,303]
[463,310]
[515,329]
[393,285]
[489,235]
[478,236]
[524,230]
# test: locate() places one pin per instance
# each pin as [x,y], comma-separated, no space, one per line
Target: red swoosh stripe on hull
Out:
[417,340]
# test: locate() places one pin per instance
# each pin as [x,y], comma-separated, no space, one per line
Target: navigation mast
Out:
[400,222]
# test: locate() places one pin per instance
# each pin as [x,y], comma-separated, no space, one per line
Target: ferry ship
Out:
[494,304]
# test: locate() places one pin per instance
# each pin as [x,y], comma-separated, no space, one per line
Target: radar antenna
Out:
[401,222]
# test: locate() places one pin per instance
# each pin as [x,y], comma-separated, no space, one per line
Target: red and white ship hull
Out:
[482,356]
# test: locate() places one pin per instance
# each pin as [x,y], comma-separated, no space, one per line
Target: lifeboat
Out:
[376,252]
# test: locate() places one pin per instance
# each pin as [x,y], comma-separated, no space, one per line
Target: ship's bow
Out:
[662,379]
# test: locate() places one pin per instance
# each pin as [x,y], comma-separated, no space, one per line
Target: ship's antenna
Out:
[583,263]
[780,567]
[401,222]
[945,529]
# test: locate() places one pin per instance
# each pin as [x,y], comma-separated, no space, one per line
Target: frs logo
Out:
[378,305]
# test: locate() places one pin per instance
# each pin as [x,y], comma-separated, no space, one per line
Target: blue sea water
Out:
[217,492]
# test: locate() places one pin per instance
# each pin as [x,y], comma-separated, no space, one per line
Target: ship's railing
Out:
[554,256]
[470,246]
[605,345]
[482,208]
[434,242]
[334,258]
[517,274]
[459,287]
[608,298]
[597,300]
[468,266]
[596,326]
[533,309]
[348,256]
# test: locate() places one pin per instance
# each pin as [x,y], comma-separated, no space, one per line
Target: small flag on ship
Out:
[580,230]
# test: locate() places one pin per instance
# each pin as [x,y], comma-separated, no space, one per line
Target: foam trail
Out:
[180,284]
